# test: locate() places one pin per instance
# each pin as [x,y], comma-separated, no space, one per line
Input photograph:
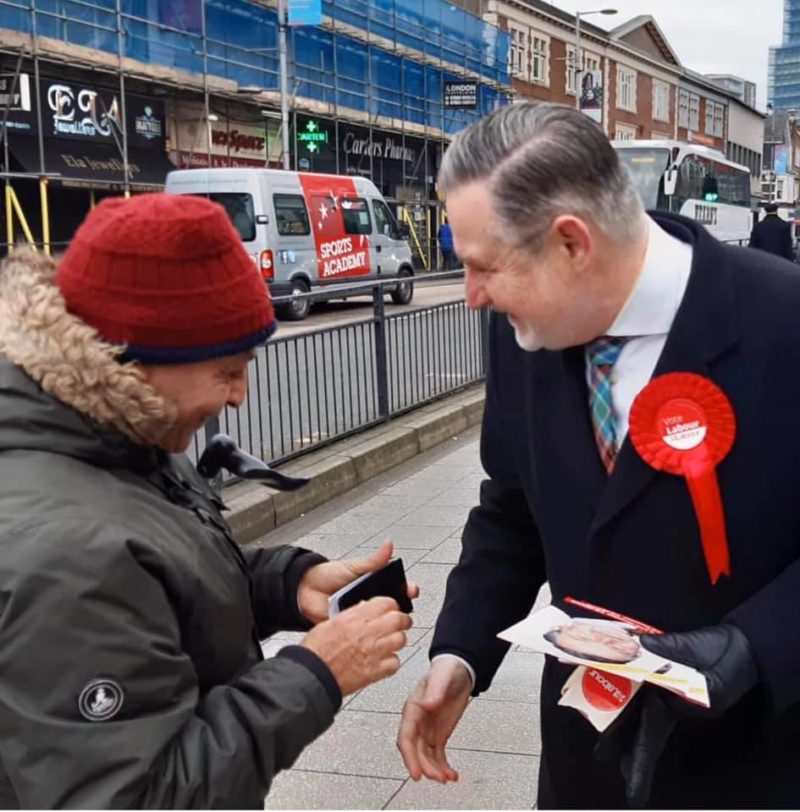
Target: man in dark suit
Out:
[593,299]
[773,234]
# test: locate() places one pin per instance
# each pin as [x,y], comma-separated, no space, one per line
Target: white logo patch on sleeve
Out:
[100,700]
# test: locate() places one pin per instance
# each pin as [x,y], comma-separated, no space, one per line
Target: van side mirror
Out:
[670,180]
[404,231]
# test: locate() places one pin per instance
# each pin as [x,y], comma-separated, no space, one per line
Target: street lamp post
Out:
[283,83]
[578,60]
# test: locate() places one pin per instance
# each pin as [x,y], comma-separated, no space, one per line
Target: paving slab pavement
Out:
[422,504]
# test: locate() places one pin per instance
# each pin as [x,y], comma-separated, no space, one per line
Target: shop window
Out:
[626,89]
[683,109]
[694,112]
[589,62]
[518,53]
[660,101]
[625,132]
[540,60]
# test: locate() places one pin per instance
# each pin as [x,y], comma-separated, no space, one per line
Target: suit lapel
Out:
[704,328]
[562,426]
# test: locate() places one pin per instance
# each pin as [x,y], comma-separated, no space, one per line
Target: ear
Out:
[573,236]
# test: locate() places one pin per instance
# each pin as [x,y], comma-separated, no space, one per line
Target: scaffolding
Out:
[239,52]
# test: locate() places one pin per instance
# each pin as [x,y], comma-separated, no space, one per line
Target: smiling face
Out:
[199,392]
[605,644]
[565,294]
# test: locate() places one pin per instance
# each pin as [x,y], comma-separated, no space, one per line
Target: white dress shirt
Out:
[645,320]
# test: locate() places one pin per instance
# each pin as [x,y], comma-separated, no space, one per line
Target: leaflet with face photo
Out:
[611,646]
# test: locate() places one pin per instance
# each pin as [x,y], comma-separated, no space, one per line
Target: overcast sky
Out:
[709,36]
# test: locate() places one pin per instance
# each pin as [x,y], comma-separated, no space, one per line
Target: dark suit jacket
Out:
[631,542]
[774,235]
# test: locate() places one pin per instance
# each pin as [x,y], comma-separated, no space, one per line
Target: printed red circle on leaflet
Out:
[604,691]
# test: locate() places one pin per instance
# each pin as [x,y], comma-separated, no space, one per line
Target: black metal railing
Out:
[311,389]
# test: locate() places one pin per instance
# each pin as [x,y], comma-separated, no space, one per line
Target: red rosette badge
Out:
[683,424]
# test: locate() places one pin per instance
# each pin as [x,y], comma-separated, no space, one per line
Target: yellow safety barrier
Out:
[45,215]
[413,231]
[9,219]
[13,207]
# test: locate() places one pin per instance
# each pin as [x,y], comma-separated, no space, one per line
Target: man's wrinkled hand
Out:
[360,644]
[430,715]
[321,581]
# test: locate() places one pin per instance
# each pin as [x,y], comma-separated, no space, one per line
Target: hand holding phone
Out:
[389,581]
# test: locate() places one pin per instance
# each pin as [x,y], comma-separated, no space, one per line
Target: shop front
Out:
[225,138]
[81,144]
[403,167]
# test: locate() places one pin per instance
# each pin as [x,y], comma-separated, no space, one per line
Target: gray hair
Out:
[542,161]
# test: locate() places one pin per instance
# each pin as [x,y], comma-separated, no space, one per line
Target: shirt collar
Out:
[657,294]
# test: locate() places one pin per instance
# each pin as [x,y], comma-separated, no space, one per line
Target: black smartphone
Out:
[389,581]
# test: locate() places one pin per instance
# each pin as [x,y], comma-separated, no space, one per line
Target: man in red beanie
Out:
[131,673]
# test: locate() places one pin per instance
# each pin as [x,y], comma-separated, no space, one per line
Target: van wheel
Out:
[404,292]
[297,309]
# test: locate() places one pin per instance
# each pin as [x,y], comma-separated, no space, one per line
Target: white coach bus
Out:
[695,181]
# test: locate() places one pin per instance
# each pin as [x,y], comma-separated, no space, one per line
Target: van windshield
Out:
[240,211]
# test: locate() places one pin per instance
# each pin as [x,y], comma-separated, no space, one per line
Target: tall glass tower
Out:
[784,62]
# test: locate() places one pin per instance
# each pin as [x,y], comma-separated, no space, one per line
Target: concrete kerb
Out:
[255,510]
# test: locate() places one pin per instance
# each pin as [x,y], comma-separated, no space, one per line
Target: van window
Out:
[355,214]
[384,222]
[240,212]
[291,215]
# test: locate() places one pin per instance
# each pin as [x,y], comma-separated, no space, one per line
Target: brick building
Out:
[630,76]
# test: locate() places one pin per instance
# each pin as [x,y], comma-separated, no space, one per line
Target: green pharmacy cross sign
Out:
[312,136]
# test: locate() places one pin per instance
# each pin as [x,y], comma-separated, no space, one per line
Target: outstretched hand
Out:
[430,715]
[321,581]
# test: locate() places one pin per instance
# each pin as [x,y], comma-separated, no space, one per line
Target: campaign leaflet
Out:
[610,646]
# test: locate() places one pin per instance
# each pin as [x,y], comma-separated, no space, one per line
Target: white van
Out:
[308,231]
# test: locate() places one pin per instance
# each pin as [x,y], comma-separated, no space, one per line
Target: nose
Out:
[474,291]
[237,392]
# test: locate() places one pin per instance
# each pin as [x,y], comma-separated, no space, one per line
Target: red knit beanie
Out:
[168,276]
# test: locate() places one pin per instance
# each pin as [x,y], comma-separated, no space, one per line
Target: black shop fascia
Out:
[391,160]
[82,137]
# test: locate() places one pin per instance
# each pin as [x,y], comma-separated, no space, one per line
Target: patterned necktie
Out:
[602,354]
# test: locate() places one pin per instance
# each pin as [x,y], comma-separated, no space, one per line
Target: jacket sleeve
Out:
[275,574]
[81,603]
[769,619]
[501,566]
[788,250]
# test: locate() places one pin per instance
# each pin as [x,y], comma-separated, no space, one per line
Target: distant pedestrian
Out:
[447,247]
[773,234]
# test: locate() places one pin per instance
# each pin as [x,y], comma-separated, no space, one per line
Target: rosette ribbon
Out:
[683,424]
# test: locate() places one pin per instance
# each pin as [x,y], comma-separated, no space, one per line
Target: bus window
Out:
[733,184]
[646,168]
[700,177]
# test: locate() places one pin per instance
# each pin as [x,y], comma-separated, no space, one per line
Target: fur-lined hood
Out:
[67,358]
